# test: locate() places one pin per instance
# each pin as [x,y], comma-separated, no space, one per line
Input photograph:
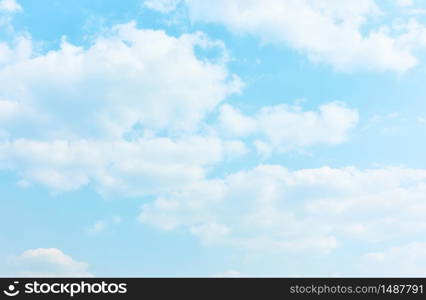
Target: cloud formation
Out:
[273,209]
[127,113]
[124,113]
[342,33]
[49,262]
[10,6]
[284,127]
[401,261]
[144,166]
[128,77]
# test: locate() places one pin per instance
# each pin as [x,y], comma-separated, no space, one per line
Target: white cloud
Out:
[126,78]
[140,167]
[19,49]
[337,32]
[10,6]
[271,208]
[12,113]
[76,116]
[49,263]
[9,109]
[402,261]
[286,127]
[81,115]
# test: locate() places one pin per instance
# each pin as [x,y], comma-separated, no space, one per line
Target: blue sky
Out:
[212,138]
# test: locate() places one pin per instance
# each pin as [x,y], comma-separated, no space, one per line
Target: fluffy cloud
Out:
[10,6]
[126,78]
[336,32]
[13,113]
[286,127]
[9,109]
[78,115]
[271,208]
[20,48]
[401,261]
[125,89]
[49,263]
[144,166]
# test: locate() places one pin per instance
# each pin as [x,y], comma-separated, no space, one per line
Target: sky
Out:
[197,138]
